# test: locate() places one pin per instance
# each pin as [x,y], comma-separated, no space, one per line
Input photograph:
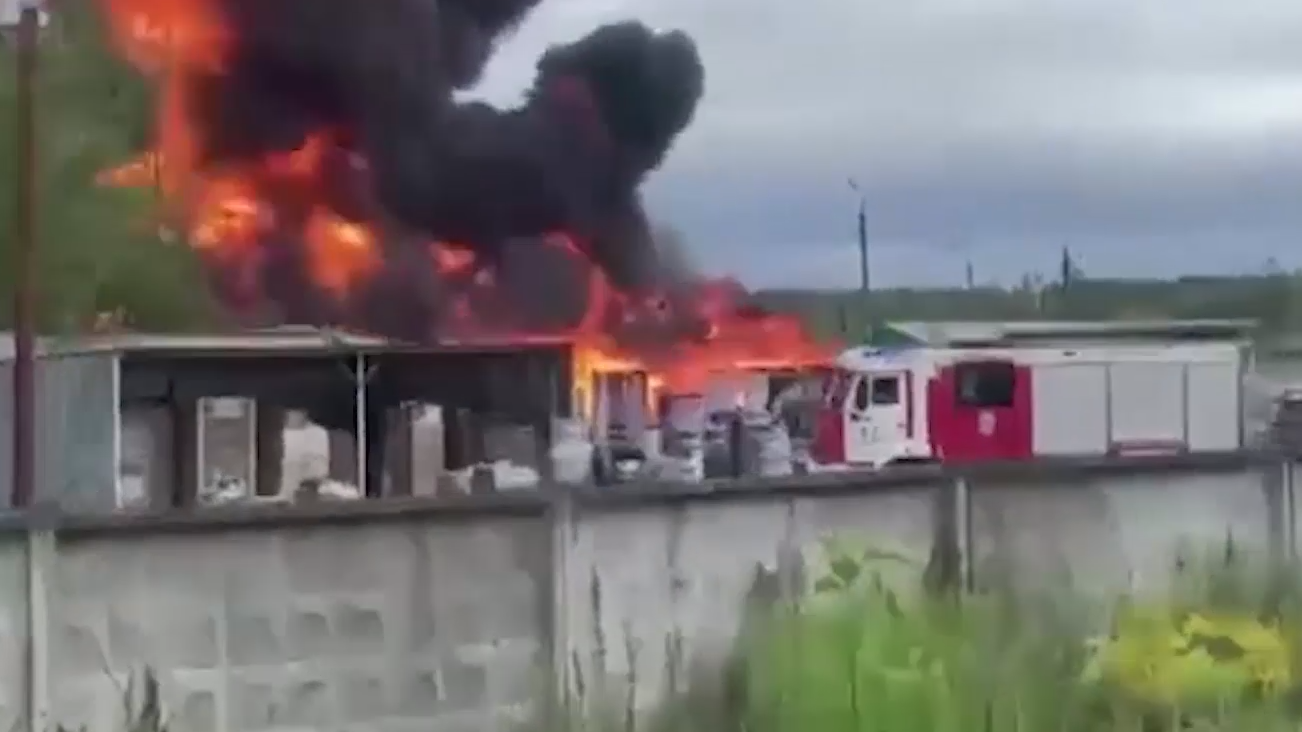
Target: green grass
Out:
[1215,650]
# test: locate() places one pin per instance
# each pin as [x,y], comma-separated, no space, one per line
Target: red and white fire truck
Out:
[921,404]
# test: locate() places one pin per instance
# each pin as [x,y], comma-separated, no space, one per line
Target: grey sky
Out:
[1152,137]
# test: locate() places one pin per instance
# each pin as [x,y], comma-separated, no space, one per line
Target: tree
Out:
[96,248]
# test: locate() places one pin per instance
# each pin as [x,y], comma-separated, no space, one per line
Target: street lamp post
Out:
[865,320]
[863,235]
[24,370]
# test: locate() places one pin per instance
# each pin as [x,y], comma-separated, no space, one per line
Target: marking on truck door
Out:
[886,400]
[861,414]
[986,423]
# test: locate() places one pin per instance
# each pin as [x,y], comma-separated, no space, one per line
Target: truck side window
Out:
[985,384]
[886,390]
[861,394]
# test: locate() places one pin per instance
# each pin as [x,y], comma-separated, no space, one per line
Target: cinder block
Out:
[184,567]
[195,712]
[80,645]
[517,673]
[247,564]
[485,550]
[511,611]
[325,560]
[190,640]
[254,638]
[191,699]
[458,722]
[161,635]
[358,627]
[128,643]
[465,685]
[419,693]
[77,706]
[438,724]
[459,618]
[308,702]
[84,574]
[412,624]
[254,702]
[308,633]
[363,696]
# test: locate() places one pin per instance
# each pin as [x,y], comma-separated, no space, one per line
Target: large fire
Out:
[231,213]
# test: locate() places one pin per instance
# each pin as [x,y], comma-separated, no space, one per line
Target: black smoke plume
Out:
[602,114]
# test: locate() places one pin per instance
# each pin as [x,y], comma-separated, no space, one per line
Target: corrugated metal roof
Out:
[291,338]
[288,339]
[941,334]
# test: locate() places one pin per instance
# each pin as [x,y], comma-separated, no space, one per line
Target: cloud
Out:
[1164,132]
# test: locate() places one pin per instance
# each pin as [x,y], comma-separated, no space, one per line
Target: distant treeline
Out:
[1275,300]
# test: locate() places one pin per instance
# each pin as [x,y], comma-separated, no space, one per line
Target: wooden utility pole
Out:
[24,315]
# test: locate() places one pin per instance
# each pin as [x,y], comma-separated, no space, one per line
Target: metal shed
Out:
[77,407]
[85,384]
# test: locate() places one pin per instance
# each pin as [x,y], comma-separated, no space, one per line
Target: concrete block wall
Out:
[442,618]
[652,589]
[676,576]
[13,631]
[392,626]
[1104,533]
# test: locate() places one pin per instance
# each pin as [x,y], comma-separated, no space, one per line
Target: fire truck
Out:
[885,406]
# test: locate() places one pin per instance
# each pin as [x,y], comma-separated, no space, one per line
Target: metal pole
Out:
[864,283]
[863,234]
[863,244]
[24,376]
[360,401]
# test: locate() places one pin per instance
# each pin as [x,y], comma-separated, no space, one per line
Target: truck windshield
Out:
[837,388]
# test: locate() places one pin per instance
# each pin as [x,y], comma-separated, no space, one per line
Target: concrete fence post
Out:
[946,567]
[42,553]
[963,532]
[561,519]
[1281,530]
[562,526]
[1288,510]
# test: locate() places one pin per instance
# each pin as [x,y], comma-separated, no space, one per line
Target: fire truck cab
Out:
[883,406]
[870,412]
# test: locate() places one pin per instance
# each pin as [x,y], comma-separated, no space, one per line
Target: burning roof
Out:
[315,154]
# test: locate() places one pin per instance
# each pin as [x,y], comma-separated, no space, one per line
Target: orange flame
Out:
[342,252]
[228,213]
